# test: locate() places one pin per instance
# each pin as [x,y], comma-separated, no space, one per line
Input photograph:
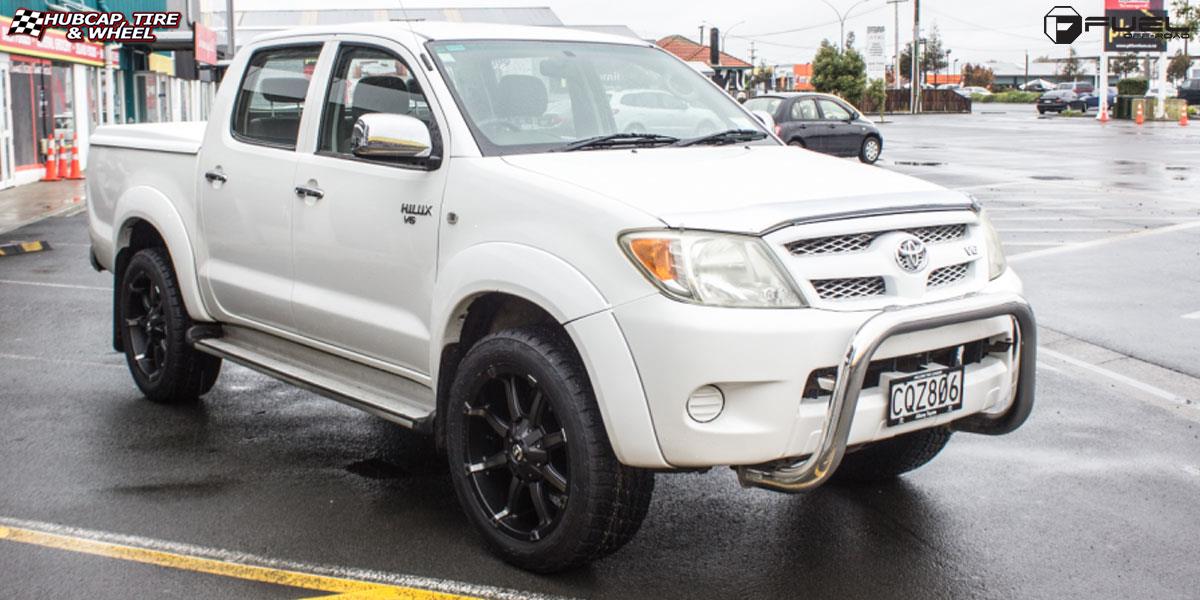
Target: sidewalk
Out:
[26,204]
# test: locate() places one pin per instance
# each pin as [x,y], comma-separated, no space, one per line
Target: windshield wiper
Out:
[617,140]
[730,136]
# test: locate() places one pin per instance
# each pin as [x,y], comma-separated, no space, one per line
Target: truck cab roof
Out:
[440,30]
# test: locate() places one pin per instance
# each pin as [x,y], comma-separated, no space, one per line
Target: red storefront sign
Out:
[205,42]
[54,46]
[1133,4]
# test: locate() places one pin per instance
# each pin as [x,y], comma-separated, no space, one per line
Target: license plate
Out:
[923,395]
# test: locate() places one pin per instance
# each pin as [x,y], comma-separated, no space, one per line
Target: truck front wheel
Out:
[529,457]
[154,326]
[891,458]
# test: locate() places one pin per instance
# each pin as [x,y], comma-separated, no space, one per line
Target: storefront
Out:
[50,87]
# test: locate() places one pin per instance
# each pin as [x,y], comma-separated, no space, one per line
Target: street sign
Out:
[876,57]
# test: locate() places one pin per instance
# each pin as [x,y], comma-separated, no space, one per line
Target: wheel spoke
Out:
[496,460]
[514,490]
[554,478]
[514,401]
[541,506]
[554,439]
[137,322]
[499,426]
[535,409]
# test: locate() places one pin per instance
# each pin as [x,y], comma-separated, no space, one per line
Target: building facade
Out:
[61,88]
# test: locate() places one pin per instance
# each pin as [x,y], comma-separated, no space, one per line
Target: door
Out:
[842,135]
[802,121]
[7,165]
[365,248]
[246,189]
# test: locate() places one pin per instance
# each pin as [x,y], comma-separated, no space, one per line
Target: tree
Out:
[1123,64]
[933,57]
[1186,15]
[978,75]
[876,94]
[850,39]
[1178,67]
[843,74]
[1071,67]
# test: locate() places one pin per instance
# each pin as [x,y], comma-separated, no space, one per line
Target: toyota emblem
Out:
[912,255]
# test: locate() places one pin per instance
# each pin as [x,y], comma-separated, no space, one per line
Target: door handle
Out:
[216,177]
[310,192]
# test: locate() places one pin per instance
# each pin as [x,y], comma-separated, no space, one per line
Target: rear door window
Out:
[270,101]
[804,109]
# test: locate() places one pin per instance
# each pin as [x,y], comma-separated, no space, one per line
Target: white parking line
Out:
[64,361]
[1157,392]
[1100,242]
[1065,230]
[57,285]
[1193,316]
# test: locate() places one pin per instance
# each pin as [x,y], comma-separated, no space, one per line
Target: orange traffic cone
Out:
[51,160]
[1103,114]
[62,156]
[75,172]
[1141,115]
[1183,117]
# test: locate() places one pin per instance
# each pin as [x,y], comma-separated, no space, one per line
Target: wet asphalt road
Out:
[1094,497]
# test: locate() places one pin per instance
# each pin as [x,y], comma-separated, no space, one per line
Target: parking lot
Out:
[263,490]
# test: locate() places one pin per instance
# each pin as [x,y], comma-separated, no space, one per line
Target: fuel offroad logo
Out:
[1124,20]
[94,26]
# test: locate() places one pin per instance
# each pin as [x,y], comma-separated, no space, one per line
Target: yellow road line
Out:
[346,589]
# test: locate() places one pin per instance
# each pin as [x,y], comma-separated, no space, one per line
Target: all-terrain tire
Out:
[164,366]
[605,501]
[888,459]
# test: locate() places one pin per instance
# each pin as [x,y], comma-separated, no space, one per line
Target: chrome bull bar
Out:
[810,473]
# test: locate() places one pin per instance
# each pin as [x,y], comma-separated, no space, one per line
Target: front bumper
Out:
[762,360]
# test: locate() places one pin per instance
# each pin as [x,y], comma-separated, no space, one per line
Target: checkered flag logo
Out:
[28,22]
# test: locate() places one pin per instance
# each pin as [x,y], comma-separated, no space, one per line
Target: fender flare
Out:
[150,205]
[523,271]
[569,296]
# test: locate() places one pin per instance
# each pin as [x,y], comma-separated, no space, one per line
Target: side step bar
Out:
[810,473]
[380,393]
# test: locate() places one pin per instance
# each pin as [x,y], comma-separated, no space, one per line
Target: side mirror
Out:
[766,119]
[386,135]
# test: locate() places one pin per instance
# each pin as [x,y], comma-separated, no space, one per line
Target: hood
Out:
[737,188]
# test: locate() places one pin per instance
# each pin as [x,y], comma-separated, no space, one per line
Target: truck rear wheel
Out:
[154,326]
[888,459]
[529,457]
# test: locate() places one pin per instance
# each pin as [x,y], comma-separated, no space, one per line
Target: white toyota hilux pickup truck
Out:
[443,225]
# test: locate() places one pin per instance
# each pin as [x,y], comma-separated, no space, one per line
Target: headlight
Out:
[712,268]
[995,250]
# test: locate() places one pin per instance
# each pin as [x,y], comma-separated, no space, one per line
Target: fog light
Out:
[705,404]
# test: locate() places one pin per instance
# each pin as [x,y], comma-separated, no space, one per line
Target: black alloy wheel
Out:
[145,324]
[517,454]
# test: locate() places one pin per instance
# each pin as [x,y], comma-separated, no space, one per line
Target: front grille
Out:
[845,289]
[857,242]
[947,275]
[955,356]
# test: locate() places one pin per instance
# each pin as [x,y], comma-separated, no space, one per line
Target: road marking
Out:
[1040,244]
[1067,230]
[86,363]
[68,286]
[1093,218]
[1194,316]
[1113,375]
[1100,242]
[345,583]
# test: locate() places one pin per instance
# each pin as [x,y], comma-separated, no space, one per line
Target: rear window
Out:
[769,105]
[270,99]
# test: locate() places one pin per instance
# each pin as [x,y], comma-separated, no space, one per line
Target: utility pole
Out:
[701,38]
[229,21]
[1026,71]
[914,79]
[896,5]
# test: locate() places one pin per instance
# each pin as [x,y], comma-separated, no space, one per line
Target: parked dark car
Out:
[1092,100]
[1065,96]
[1190,91]
[822,123]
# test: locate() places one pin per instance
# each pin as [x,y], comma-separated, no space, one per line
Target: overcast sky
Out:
[974,30]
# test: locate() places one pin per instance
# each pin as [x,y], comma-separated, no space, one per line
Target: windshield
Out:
[536,96]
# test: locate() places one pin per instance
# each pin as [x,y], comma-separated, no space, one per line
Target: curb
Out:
[15,248]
